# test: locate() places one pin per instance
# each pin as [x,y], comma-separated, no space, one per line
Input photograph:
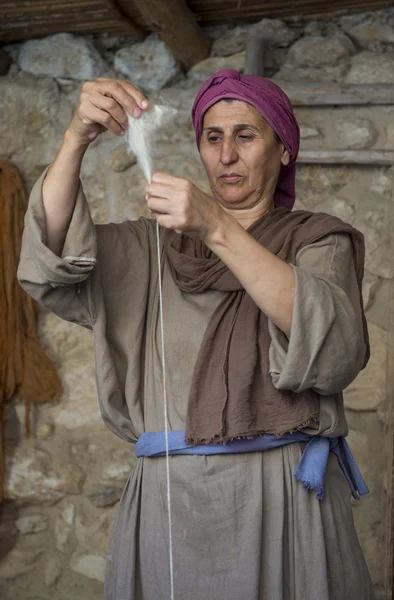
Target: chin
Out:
[232,198]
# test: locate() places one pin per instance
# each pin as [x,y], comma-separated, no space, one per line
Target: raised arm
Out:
[59,248]
[182,206]
[101,107]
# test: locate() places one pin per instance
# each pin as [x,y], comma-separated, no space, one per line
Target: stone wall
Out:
[64,483]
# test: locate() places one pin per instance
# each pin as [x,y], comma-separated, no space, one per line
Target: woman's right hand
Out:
[102,105]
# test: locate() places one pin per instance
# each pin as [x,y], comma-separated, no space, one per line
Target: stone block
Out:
[149,65]
[339,208]
[116,472]
[319,51]
[232,42]
[315,185]
[92,529]
[389,145]
[32,523]
[35,476]
[63,526]
[379,310]
[103,496]
[72,349]
[368,444]
[53,571]
[296,73]
[89,565]
[368,390]
[30,107]
[204,69]
[62,55]
[368,34]
[18,562]
[382,182]
[357,134]
[44,431]
[378,260]
[307,132]
[371,284]
[275,32]
[371,67]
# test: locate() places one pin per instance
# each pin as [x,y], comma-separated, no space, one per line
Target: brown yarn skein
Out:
[25,369]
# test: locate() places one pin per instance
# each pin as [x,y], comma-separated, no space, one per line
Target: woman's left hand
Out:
[182,206]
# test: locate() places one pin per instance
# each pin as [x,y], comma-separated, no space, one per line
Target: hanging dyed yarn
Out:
[142,135]
[25,369]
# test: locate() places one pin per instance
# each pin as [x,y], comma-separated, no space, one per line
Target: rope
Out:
[165,402]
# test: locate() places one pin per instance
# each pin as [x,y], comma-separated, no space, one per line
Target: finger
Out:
[159,190]
[141,100]
[111,106]
[159,177]
[167,221]
[158,205]
[95,115]
[128,98]
[126,90]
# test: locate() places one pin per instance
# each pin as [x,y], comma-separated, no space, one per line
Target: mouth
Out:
[231,177]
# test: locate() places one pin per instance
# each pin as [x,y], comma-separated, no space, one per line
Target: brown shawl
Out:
[232,394]
[25,369]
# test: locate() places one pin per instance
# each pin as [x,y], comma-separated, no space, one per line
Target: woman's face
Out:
[241,155]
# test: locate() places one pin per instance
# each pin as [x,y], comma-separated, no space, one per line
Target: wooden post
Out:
[176,25]
[346,157]
[254,57]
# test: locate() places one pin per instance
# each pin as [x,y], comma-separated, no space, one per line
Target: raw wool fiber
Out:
[143,133]
[25,369]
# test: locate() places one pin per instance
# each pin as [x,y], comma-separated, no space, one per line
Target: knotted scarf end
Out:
[311,484]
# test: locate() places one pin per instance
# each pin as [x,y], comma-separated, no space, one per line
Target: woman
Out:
[264,329]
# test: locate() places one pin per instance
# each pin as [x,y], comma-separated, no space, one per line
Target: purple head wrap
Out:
[273,105]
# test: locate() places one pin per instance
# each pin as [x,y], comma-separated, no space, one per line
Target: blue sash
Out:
[310,470]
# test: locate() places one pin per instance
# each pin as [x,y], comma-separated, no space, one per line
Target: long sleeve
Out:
[326,348]
[61,284]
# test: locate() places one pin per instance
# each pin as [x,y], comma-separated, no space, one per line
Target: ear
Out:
[285,158]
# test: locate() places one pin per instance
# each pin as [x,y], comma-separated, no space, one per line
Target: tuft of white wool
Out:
[145,131]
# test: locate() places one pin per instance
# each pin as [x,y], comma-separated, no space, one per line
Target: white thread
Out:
[165,414]
[142,133]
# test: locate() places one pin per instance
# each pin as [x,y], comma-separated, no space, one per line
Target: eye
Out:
[214,139]
[245,137]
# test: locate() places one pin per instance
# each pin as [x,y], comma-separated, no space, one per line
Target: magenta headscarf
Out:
[273,105]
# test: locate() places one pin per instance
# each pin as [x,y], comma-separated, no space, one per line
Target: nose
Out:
[228,152]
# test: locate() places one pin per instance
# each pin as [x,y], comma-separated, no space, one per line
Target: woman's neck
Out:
[247,216]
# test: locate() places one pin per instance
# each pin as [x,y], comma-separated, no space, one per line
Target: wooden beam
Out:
[36,8]
[254,56]
[76,26]
[176,25]
[347,157]
[222,11]
[36,18]
[332,94]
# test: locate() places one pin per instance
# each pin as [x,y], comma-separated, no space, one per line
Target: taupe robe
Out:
[243,527]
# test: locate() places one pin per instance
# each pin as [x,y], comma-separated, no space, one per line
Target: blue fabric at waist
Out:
[310,470]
